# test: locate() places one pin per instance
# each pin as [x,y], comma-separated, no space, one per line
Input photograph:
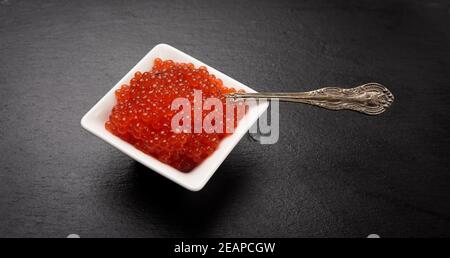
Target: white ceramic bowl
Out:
[94,122]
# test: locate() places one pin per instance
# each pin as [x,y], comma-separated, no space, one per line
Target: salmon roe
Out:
[142,115]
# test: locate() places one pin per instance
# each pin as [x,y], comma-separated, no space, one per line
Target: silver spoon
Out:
[370,98]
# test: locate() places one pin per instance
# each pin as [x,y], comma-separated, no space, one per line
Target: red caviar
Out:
[142,115]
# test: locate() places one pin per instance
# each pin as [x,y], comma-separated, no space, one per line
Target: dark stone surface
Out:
[332,174]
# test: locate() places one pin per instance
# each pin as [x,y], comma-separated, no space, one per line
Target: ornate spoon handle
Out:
[370,98]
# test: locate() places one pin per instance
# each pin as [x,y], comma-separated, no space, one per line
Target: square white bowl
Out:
[94,121]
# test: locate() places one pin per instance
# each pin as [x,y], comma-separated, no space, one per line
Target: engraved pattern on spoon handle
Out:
[370,98]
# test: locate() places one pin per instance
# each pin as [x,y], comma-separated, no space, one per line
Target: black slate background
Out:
[332,174]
